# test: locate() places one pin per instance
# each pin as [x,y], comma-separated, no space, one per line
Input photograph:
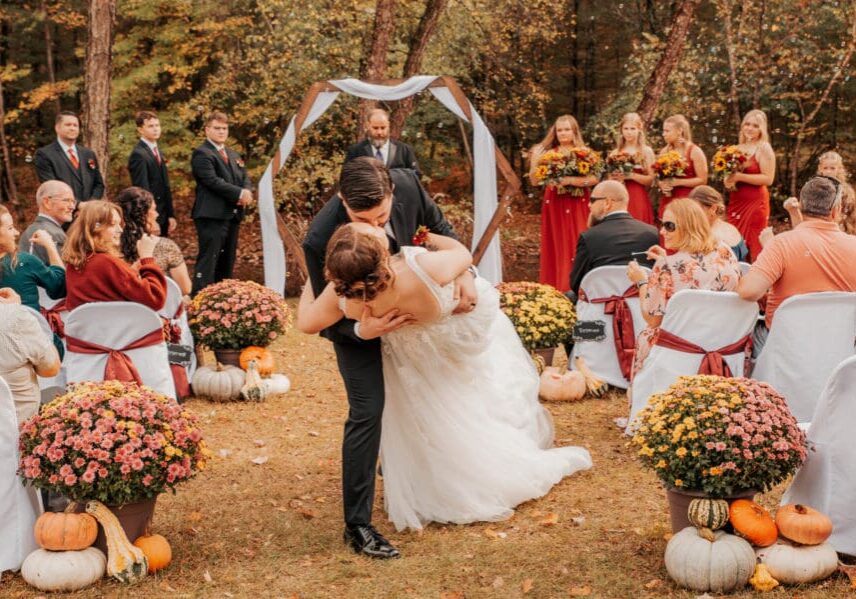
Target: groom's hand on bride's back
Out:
[372,327]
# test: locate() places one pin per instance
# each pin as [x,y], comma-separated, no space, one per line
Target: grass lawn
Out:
[243,529]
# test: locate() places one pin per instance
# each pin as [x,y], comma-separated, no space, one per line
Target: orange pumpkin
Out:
[65,531]
[802,524]
[263,358]
[752,522]
[157,551]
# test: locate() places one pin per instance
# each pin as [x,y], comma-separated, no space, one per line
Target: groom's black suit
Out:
[360,361]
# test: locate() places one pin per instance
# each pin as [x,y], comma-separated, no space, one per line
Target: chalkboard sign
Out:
[589,330]
[179,354]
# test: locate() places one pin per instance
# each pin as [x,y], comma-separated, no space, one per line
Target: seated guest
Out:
[613,235]
[830,164]
[816,255]
[700,261]
[96,271]
[25,351]
[55,200]
[712,203]
[141,216]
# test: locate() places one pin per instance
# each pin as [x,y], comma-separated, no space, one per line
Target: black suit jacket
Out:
[610,243]
[153,177]
[411,207]
[400,154]
[53,164]
[218,185]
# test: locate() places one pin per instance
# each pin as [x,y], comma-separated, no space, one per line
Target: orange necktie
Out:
[223,154]
[73,157]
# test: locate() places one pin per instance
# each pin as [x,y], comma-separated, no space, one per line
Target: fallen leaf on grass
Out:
[451,595]
[194,516]
[578,520]
[262,459]
[207,576]
[850,571]
[583,591]
[549,519]
[308,514]
[526,586]
[164,586]
[314,434]
[259,443]
[497,582]
[492,534]
[225,453]
[652,584]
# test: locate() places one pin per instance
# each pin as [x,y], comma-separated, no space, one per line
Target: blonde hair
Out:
[765,136]
[636,120]
[847,219]
[835,157]
[84,238]
[693,228]
[551,139]
[13,255]
[681,122]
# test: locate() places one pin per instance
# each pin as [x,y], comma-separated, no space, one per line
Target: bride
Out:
[464,438]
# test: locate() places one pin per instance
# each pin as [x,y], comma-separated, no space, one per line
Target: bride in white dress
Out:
[464,438]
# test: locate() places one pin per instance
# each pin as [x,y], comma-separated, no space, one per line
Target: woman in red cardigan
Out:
[95,271]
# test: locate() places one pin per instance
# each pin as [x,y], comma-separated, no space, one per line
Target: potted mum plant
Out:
[542,316]
[713,436]
[231,315]
[119,443]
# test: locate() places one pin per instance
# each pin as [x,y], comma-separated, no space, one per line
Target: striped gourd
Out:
[708,513]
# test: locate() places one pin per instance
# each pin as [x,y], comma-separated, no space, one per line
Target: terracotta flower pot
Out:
[228,357]
[546,354]
[679,504]
[135,519]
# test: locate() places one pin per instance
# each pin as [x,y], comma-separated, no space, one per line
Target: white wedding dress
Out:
[464,437]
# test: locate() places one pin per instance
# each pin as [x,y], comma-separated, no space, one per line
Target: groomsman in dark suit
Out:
[67,161]
[394,154]
[223,188]
[148,169]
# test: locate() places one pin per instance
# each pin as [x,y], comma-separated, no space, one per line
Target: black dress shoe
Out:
[368,541]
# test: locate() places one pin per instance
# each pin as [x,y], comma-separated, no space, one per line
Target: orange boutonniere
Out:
[421,236]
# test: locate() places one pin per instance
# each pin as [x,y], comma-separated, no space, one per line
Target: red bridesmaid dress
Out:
[563,218]
[639,206]
[749,209]
[679,192]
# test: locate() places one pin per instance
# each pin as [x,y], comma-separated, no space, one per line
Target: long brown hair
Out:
[84,237]
[551,139]
[694,233]
[13,254]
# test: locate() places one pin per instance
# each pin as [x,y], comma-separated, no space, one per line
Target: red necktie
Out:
[73,157]
[157,155]
[223,155]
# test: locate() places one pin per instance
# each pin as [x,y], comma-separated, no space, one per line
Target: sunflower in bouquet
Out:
[623,162]
[583,162]
[551,168]
[727,161]
[669,165]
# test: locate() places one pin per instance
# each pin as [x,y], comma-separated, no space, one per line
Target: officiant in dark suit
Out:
[223,189]
[67,161]
[378,144]
[366,195]
[148,169]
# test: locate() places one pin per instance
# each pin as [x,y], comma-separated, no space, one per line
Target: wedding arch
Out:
[488,209]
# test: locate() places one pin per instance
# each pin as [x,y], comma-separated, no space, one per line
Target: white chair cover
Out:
[115,325]
[45,301]
[54,385]
[174,300]
[826,480]
[19,505]
[600,356]
[744,267]
[709,319]
[810,336]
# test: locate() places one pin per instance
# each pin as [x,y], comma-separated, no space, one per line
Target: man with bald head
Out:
[55,200]
[613,235]
[393,153]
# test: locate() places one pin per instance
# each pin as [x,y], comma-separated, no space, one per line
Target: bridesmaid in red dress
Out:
[749,199]
[563,216]
[631,139]
[676,134]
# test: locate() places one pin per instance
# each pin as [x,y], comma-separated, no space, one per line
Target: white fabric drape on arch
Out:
[484,176]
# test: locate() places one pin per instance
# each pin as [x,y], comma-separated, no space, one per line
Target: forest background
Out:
[521,62]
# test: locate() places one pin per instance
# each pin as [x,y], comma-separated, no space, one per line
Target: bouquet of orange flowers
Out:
[671,164]
[623,162]
[551,168]
[727,161]
[553,165]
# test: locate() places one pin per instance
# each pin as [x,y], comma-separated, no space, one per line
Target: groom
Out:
[397,202]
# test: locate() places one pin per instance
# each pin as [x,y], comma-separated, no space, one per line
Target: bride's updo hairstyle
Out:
[356,264]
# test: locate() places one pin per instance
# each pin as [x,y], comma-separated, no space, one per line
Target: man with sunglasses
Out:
[55,200]
[814,256]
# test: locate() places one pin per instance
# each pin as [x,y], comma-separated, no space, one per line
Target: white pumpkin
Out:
[63,570]
[797,564]
[561,386]
[277,383]
[703,560]
[222,383]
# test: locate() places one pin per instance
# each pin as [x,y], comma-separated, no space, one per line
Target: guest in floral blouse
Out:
[699,261]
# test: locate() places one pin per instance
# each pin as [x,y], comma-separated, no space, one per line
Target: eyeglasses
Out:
[669,226]
[594,199]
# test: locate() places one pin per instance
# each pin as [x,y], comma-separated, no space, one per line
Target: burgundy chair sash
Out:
[714,360]
[52,315]
[119,366]
[623,332]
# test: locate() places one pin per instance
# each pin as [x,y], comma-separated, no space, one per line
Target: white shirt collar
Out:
[617,212]
[151,145]
[217,146]
[66,148]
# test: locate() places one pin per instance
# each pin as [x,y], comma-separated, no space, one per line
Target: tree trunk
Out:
[49,59]
[575,61]
[7,161]
[668,60]
[413,64]
[725,8]
[373,68]
[96,79]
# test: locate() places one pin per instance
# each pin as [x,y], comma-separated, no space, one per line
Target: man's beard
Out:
[377,144]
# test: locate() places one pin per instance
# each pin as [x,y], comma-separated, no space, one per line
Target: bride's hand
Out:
[372,327]
[465,293]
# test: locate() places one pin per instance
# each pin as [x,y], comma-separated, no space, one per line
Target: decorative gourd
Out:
[254,388]
[125,562]
[65,531]
[761,579]
[802,524]
[222,383]
[157,551]
[263,358]
[709,513]
[798,564]
[277,383]
[753,522]
[539,362]
[596,387]
[704,560]
[63,570]
[561,386]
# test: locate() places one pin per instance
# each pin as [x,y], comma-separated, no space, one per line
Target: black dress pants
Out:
[361,368]
[218,244]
